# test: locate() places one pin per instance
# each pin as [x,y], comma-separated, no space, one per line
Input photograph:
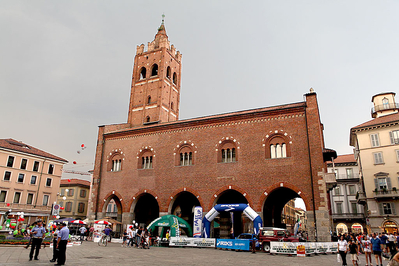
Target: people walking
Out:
[82,231]
[132,235]
[376,247]
[343,249]
[38,233]
[366,246]
[62,241]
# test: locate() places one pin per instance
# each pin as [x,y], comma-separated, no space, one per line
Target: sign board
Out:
[192,242]
[98,229]
[236,244]
[291,248]
[197,224]
[301,251]
[56,209]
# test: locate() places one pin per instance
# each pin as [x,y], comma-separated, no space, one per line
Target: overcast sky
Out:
[66,66]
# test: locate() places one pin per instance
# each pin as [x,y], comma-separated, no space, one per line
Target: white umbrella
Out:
[102,222]
[77,222]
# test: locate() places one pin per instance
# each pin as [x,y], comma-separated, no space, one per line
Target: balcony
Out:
[345,176]
[348,215]
[383,107]
[361,198]
[16,207]
[385,194]
[330,180]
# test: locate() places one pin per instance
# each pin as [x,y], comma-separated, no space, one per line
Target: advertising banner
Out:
[237,244]
[197,224]
[291,248]
[98,228]
[192,242]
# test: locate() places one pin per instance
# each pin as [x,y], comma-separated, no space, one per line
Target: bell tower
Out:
[155,92]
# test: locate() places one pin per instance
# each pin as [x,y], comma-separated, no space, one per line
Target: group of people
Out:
[139,237]
[60,241]
[376,244]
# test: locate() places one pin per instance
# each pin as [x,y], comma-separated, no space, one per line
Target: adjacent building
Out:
[376,145]
[74,198]
[347,214]
[30,180]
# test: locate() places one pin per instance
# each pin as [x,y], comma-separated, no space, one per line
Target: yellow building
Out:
[376,145]
[74,198]
[30,180]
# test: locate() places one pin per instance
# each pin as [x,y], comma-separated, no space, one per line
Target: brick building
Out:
[155,164]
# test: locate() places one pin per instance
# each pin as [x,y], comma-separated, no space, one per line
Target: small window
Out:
[394,136]
[7,176]
[378,158]
[385,103]
[10,161]
[81,207]
[146,162]
[168,72]
[33,180]
[29,199]
[48,182]
[61,203]
[70,192]
[352,190]
[383,183]
[339,207]
[143,72]
[171,106]
[24,162]
[354,207]
[21,178]
[387,208]
[116,165]
[349,172]
[228,155]
[397,156]
[36,166]
[154,70]
[17,197]
[174,78]
[149,100]
[45,200]
[51,169]
[186,158]
[148,119]
[3,195]
[375,141]
[83,193]
[68,206]
[337,190]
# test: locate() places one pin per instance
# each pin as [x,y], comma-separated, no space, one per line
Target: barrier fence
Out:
[290,248]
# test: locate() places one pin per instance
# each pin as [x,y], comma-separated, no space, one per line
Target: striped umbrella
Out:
[102,222]
[77,222]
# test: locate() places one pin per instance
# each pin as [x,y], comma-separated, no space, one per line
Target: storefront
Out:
[357,228]
[390,227]
[342,228]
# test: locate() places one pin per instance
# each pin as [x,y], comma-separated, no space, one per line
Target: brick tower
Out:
[155,93]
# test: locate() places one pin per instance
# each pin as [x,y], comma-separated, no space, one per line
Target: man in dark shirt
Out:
[107,231]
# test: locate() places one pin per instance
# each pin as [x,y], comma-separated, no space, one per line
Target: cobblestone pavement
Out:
[91,254]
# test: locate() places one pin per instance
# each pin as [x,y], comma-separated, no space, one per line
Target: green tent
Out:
[173,222]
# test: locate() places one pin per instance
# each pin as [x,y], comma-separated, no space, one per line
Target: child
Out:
[124,244]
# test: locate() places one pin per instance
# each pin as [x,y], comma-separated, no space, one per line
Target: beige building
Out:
[288,215]
[30,180]
[74,198]
[376,145]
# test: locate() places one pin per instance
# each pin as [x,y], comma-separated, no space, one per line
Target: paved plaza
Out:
[91,254]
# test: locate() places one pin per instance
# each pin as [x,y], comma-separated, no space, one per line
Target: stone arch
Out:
[143,73]
[180,190]
[145,207]
[112,195]
[182,204]
[132,202]
[154,70]
[223,189]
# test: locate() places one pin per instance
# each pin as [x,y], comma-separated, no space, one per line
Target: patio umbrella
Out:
[102,222]
[77,222]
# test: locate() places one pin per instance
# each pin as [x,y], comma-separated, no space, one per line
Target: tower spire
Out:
[161,28]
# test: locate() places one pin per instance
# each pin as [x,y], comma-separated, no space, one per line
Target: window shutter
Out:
[376,183]
[381,208]
[391,137]
[389,183]
[393,208]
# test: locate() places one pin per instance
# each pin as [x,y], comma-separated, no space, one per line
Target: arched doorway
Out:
[390,226]
[274,213]
[113,209]
[357,228]
[231,224]
[183,206]
[146,209]
[342,229]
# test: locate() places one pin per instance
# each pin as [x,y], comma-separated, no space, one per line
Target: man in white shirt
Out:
[82,231]
[132,237]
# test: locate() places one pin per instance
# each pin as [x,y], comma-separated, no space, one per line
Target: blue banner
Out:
[237,244]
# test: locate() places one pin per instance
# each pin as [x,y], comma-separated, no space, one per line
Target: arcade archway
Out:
[146,209]
[183,206]
[231,224]
[273,207]
[113,208]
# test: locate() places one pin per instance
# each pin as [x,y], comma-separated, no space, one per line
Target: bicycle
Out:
[103,240]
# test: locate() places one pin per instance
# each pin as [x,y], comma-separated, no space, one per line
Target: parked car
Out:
[268,234]
[250,237]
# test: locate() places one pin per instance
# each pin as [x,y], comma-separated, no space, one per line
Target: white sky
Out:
[66,66]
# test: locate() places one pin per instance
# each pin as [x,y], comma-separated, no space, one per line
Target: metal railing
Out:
[385,193]
[383,107]
[24,206]
[345,176]
[347,215]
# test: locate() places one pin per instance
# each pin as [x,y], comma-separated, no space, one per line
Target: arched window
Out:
[146,160]
[116,165]
[185,156]
[174,78]
[385,103]
[148,99]
[168,72]
[154,70]
[171,105]
[227,152]
[143,72]
[115,162]
[276,147]
[147,119]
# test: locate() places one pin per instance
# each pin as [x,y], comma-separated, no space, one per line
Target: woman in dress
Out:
[367,249]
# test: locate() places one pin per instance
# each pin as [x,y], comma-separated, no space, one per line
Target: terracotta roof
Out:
[19,146]
[74,182]
[346,158]
[379,120]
